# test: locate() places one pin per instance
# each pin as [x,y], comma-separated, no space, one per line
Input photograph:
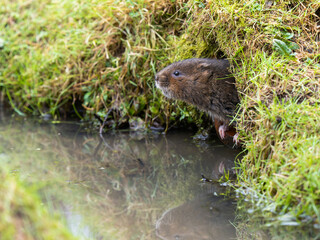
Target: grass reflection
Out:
[116,187]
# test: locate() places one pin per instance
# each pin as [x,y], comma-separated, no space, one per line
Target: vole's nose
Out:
[156,78]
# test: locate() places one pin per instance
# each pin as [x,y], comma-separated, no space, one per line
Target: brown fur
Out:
[205,83]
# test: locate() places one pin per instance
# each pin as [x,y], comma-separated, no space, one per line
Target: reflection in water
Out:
[205,218]
[76,224]
[120,186]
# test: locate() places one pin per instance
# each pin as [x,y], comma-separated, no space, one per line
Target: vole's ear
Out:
[204,66]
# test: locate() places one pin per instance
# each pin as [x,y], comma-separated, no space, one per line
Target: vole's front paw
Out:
[235,139]
[222,131]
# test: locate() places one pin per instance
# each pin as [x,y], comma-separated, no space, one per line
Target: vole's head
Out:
[180,79]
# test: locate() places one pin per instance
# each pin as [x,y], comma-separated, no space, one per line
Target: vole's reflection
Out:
[205,218]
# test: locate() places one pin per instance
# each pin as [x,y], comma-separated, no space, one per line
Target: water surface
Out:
[126,185]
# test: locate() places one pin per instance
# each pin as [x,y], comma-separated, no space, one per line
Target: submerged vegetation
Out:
[84,57]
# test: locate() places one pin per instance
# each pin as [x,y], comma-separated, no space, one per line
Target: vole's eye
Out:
[176,73]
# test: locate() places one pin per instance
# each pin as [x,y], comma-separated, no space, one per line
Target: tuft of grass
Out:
[276,56]
[84,57]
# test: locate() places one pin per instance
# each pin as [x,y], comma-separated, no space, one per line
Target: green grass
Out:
[279,118]
[64,55]
[87,56]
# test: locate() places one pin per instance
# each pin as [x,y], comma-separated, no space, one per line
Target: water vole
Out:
[205,83]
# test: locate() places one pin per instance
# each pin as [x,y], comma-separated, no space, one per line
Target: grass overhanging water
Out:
[85,57]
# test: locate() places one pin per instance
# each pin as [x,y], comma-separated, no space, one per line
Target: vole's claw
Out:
[221,168]
[222,130]
[235,139]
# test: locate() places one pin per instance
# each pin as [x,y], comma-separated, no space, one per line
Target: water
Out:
[126,185]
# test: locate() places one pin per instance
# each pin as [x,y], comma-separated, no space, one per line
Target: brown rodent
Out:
[205,83]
